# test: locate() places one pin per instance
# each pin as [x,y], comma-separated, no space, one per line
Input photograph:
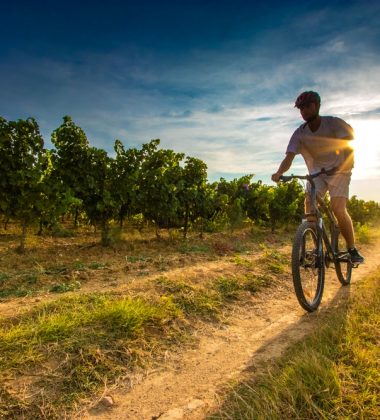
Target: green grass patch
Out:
[332,374]
[65,287]
[187,248]
[231,287]
[93,338]
[97,265]
[138,258]
[276,262]
[3,278]
[207,300]
[255,282]
[192,300]
[15,292]
[228,287]
[244,262]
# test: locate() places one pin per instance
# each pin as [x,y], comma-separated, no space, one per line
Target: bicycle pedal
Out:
[355,265]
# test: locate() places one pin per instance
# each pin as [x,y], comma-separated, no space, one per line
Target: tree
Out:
[98,197]
[233,195]
[193,192]
[126,170]
[258,197]
[363,211]
[55,198]
[21,162]
[159,182]
[88,174]
[70,158]
[286,204]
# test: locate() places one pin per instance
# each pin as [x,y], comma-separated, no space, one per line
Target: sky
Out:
[212,79]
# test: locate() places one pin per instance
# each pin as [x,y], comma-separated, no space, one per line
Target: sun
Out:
[367,148]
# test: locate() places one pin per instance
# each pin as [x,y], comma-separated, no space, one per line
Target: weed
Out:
[65,287]
[3,278]
[134,259]
[254,283]
[191,300]
[228,288]
[16,292]
[31,278]
[186,248]
[97,266]
[241,247]
[363,233]
[56,270]
[242,261]
[276,262]
[79,266]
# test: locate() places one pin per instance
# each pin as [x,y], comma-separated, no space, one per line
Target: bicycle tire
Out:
[343,264]
[308,268]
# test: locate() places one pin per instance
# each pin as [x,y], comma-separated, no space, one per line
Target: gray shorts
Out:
[337,185]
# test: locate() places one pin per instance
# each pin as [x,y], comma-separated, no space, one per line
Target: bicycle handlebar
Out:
[309,177]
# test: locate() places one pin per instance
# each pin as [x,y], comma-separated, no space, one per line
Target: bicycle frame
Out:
[317,203]
[314,247]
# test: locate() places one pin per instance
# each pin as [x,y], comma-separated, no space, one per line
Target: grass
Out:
[273,260]
[363,233]
[333,373]
[96,338]
[31,280]
[90,339]
[65,287]
[192,300]
[53,356]
[208,299]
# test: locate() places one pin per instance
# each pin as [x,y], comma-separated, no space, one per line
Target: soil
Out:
[187,386]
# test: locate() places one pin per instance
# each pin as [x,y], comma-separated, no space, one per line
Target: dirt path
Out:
[186,386]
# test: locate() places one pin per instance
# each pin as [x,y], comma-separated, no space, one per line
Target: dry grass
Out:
[76,315]
[332,374]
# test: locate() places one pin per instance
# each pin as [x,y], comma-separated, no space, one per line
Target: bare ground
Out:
[187,385]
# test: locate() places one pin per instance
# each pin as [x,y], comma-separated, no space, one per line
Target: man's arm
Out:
[284,166]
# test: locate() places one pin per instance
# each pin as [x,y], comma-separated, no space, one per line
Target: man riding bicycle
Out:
[323,142]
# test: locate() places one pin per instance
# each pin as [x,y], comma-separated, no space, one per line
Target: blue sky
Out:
[213,79]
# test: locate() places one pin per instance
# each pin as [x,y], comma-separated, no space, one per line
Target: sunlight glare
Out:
[367,148]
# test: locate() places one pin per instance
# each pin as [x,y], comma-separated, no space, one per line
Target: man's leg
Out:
[339,208]
[321,188]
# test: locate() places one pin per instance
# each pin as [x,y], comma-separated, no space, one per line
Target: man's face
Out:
[309,111]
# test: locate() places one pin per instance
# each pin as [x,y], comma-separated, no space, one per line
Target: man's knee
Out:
[339,206]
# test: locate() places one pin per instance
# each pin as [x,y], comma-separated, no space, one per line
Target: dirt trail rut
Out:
[186,386]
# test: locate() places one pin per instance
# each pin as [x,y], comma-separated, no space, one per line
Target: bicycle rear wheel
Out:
[342,261]
[308,267]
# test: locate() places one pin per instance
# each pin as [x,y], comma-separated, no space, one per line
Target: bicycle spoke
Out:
[307,267]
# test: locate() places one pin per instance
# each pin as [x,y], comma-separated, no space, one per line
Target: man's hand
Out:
[284,166]
[276,177]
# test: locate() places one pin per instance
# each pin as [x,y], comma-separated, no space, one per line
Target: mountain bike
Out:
[315,247]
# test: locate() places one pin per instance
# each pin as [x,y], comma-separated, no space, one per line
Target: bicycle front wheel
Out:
[342,261]
[308,267]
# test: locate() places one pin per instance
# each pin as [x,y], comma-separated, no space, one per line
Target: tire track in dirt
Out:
[186,386]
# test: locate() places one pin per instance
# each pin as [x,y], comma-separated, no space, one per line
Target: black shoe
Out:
[356,258]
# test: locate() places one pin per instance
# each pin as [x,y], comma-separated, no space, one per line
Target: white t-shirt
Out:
[325,148]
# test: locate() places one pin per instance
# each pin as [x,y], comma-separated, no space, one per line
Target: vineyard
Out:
[144,186]
[177,256]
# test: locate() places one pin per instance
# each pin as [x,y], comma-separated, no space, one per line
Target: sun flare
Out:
[367,148]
